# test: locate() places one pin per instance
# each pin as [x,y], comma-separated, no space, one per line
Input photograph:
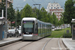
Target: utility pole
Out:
[39,8]
[6,21]
[5,31]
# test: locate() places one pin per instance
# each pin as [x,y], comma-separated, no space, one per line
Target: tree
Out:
[51,19]
[18,18]
[11,14]
[27,11]
[34,11]
[43,15]
[60,22]
[2,7]
[55,20]
[69,11]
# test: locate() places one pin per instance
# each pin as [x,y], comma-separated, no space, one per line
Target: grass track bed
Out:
[59,33]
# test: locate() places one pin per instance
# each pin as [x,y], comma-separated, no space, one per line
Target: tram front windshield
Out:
[28,26]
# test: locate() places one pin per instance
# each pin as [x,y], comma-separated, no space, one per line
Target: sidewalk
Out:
[69,43]
[9,40]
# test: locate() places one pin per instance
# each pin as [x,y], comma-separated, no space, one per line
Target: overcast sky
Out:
[44,3]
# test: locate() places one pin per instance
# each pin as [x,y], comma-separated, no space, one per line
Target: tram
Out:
[33,29]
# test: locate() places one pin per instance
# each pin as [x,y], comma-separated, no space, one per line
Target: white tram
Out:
[33,29]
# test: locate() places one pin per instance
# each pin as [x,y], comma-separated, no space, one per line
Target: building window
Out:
[51,7]
[57,7]
[54,7]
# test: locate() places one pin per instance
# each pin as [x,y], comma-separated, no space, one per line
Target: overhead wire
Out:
[33,1]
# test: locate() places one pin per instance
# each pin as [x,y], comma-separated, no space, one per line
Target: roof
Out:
[44,22]
[29,18]
[33,19]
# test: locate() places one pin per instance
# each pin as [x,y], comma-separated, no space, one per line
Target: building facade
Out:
[8,2]
[55,8]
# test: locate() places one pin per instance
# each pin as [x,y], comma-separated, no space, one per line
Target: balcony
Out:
[0,0]
[11,1]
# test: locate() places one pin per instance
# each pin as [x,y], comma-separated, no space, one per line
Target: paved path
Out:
[70,44]
[9,40]
[34,45]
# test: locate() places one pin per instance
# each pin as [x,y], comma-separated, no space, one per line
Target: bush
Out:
[67,35]
[58,29]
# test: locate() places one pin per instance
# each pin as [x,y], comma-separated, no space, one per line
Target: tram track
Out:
[59,45]
[25,45]
[46,44]
[49,41]
[11,44]
[16,43]
[29,44]
[22,45]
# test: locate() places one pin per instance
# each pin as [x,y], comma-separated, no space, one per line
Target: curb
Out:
[8,42]
[67,45]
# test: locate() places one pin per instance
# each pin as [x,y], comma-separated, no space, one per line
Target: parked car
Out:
[53,27]
[12,33]
[19,30]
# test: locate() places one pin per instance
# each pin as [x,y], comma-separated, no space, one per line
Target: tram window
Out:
[28,26]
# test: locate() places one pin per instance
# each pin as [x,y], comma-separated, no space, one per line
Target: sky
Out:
[44,3]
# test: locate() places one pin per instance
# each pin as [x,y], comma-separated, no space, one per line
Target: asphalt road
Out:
[35,45]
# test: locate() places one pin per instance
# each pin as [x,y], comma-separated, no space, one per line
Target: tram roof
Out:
[44,22]
[29,18]
[33,19]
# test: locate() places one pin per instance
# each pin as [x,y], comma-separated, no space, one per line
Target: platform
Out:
[69,43]
[9,40]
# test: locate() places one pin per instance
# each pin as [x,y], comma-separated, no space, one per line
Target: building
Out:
[8,2]
[55,8]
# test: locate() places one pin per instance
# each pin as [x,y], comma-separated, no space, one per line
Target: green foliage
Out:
[55,20]
[18,18]
[69,11]
[2,7]
[27,11]
[36,12]
[11,14]
[61,20]
[67,35]
[58,33]
[42,15]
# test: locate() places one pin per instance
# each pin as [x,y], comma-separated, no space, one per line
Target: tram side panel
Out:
[50,30]
[39,31]
[35,34]
[46,30]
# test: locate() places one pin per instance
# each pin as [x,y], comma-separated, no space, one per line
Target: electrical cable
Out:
[33,1]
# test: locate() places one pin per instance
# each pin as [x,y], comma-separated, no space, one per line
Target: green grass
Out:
[59,33]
